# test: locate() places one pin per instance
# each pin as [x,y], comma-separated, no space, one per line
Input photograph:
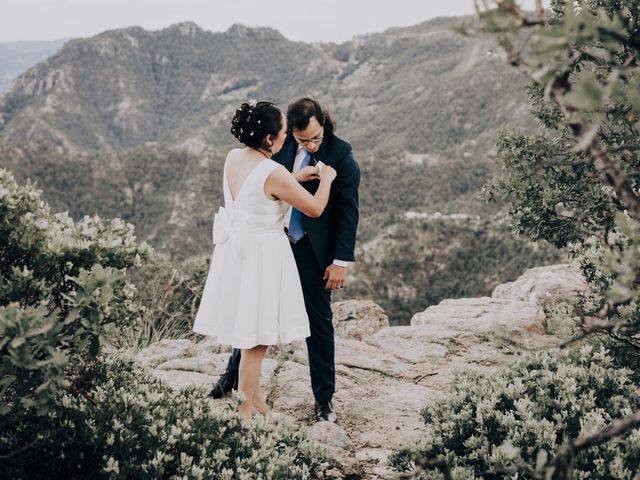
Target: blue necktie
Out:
[296,228]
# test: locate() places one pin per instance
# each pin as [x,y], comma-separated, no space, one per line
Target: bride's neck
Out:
[265,153]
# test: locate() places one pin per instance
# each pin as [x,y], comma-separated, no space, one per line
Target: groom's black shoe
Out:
[325,413]
[227,382]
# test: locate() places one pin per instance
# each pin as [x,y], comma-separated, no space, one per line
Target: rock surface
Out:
[543,285]
[482,316]
[384,375]
[358,318]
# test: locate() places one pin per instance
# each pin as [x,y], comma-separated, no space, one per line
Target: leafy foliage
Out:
[67,296]
[130,424]
[492,424]
[574,185]
[577,183]
[63,290]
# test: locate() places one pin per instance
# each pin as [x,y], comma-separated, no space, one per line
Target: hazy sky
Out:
[313,20]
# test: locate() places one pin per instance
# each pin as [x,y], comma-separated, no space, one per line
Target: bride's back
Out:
[238,166]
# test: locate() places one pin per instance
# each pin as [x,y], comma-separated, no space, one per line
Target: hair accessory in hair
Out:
[252,103]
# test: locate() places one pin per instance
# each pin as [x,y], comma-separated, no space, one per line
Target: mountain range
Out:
[135,123]
[17,57]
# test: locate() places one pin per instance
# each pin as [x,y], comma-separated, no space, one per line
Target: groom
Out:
[323,247]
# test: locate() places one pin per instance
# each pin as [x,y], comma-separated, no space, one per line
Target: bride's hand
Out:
[327,173]
[307,174]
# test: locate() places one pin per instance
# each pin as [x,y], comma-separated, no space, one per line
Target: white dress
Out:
[252,295]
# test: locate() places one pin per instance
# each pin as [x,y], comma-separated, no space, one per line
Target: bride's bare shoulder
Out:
[234,155]
[236,152]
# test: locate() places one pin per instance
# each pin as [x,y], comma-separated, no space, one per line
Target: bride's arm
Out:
[282,185]
[307,174]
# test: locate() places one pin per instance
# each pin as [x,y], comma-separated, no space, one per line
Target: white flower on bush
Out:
[112,466]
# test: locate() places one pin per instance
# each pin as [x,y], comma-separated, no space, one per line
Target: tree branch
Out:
[566,453]
[597,324]
[608,168]
[20,450]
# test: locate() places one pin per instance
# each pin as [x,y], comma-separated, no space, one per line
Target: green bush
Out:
[41,250]
[564,182]
[490,423]
[131,425]
[66,293]
[63,292]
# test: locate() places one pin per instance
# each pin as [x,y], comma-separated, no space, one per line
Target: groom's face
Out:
[311,137]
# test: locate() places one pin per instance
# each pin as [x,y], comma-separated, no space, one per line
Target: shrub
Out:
[491,423]
[131,425]
[41,250]
[575,182]
[63,292]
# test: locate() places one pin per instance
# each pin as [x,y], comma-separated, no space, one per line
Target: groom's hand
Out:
[335,276]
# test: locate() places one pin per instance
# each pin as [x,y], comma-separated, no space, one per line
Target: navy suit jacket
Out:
[333,234]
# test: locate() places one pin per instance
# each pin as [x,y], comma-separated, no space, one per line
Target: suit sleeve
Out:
[345,190]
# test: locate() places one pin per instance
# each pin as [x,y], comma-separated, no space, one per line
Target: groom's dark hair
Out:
[300,112]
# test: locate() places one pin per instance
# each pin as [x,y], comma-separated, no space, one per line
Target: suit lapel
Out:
[320,155]
[287,155]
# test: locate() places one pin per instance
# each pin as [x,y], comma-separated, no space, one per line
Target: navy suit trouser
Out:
[320,344]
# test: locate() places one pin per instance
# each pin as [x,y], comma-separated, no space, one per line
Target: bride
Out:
[252,296]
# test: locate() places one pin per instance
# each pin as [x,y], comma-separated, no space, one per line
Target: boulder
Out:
[331,435]
[413,344]
[290,389]
[212,364]
[359,355]
[481,316]
[338,444]
[544,285]
[211,345]
[358,318]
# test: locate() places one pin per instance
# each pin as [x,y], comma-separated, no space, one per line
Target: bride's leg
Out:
[259,402]
[249,377]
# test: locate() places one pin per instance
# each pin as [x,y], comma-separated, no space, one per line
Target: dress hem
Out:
[260,341]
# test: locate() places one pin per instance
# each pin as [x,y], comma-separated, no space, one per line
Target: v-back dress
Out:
[252,295]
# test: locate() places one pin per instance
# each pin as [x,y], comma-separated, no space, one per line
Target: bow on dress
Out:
[229,228]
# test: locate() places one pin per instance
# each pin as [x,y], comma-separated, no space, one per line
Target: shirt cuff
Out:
[342,263]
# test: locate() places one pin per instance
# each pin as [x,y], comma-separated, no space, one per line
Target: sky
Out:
[310,21]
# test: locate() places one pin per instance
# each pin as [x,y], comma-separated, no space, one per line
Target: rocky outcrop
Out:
[482,316]
[544,285]
[384,375]
[358,318]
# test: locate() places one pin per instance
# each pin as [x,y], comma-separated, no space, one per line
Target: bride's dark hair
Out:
[252,123]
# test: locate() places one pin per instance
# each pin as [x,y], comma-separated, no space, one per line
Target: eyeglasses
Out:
[312,141]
